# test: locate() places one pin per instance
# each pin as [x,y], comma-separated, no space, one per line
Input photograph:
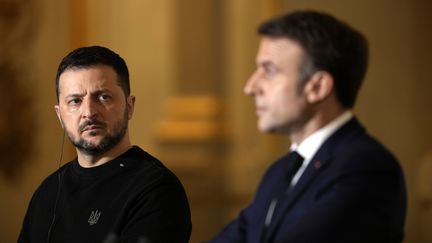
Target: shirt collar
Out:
[312,143]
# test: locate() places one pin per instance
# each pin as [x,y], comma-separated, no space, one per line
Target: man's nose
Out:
[251,86]
[89,108]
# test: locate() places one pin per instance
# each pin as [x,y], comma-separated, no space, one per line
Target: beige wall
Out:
[393,104]
[50,43]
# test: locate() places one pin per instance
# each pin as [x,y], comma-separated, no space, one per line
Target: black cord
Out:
[61,149]
[59,176]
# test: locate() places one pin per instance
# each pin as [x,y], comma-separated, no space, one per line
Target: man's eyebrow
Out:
[96,92]
[101,91]
[265,63]
[74,95]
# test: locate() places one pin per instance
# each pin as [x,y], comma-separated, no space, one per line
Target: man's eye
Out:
[269,71]
[74,101]
[104,97]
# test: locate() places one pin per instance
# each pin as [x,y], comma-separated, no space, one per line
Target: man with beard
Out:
[112,191]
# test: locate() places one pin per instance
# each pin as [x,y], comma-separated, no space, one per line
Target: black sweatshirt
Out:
[132,198]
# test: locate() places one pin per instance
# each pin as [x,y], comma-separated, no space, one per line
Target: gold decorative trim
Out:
[191,119]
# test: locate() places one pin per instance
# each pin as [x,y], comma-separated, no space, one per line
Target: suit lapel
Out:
[317,164]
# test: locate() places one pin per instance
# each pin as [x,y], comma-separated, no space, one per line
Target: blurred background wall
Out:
[188,62]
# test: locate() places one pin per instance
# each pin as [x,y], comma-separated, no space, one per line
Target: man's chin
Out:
[263,125]
[268,128]
[264,129]
[91,146]
[93,149]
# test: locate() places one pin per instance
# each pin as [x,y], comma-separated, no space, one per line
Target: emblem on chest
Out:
[94,217]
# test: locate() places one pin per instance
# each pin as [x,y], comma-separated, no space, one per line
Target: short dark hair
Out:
[85,57]
[329,44]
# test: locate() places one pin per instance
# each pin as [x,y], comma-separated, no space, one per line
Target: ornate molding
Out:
[191,119]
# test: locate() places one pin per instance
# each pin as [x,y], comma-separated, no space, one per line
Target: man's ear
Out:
[58,112]
[130,105]
[319,87]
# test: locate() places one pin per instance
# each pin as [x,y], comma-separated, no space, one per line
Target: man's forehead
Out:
[276,48]
[92,73]
[98,68]
[97,78]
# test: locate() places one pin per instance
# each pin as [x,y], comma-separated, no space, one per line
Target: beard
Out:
[108,141]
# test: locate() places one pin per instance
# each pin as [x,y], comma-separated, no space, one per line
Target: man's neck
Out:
[316,122]
[87,161]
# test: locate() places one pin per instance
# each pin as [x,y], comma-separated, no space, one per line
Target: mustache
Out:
[90,122]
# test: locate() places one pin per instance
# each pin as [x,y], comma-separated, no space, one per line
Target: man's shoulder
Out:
[363,150]
[352,146]
[54,176]
[365,143]
[354,135]
[49,185]
[147,167]
[143,161]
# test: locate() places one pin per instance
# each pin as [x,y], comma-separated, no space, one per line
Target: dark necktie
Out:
[292,164]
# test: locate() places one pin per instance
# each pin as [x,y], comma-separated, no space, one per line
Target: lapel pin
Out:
[317,164]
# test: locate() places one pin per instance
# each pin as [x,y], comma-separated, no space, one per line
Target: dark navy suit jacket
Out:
[353,190]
